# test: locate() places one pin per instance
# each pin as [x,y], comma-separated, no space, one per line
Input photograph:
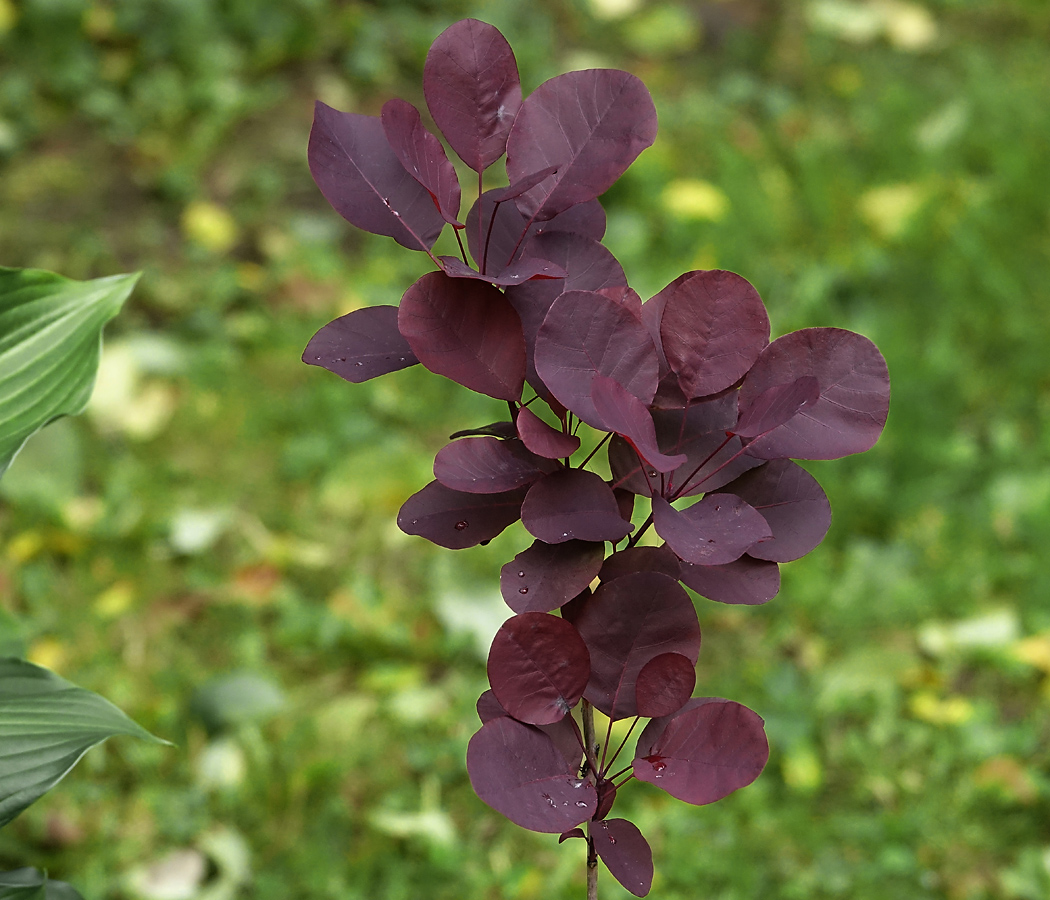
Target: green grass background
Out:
[213,545]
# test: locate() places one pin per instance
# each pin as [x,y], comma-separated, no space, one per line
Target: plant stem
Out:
[592,866]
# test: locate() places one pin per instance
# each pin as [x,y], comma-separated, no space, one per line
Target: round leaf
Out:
[573,504]
[542,439]
[626,852]
[456,519]
[361,345]
[717,530]
[547,576]
[745,581]
[664,685]
[486,465]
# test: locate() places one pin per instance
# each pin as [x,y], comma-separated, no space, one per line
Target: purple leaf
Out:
[538,666]
[544,440]
[562,732]
[496,429]
[624,503]
[519,187]
[703,753]
[606,798]
[622,412]
[717,530]
[547,576]
[471,85]
[486,465]
[640,559]
[517,273]
[586,334]
[626,853]
[571,833]
[746,581]
[573,504]
[467,331]
[591,125]
[455,519]
[664,685]
[854,394]
[712,330]
[422,156]
[361,345]
[585,219]
[489,707]
[498,239]
[792,503]
[627,622]
[517,770]
[358,173]
[777,405]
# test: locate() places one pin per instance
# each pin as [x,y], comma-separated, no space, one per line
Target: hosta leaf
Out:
[46,725]
[50,338]
[472,89]
[547,576]
[361,345]
[573,504]
[626,852]
[32,884]
[591,125]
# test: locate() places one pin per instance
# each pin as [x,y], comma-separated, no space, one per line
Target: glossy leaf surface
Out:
[591,125]
[792,503]
[538,666]
[361,345]
[543,439]
[547,576]
[467,331]
[746,581]
[456,519]
[703,753]
[854,394]
[664,684]
[626,853]
[360,175]
[717,530]
[516,769]
[713,327]
[486,465]
[627,622]
[472,89]
[573,504]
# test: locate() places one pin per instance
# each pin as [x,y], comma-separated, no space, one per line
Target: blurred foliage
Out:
[225,515]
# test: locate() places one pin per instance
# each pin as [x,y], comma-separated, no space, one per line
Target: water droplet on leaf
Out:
[461,525]
[523,590]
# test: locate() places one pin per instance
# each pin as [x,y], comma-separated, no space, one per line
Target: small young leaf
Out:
[664,684]
[746,581]
[776,405]
[625,623]
[455,519]
[547,576]
[538,666]
[516,769]
[573,504]
[486,465]
[712,330]
[467,331]
[360,175]
[717,530]
[50,339]
[626,415]
[854,394]
[361,345]
[792,503]
[626,853]
[591,125]
[423,156]
[703,753]
[46,726]
[542,439]
[472,89]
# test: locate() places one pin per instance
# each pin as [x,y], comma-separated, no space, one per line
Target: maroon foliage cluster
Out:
[702,414]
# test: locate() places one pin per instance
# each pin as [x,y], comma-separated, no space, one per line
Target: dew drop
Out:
[318,358]
[358,363]
[343,359]
[524,590]
[578,784]
[521,574]
[659,766]
[612,840]
[461,525]
[582,804]
[397,215]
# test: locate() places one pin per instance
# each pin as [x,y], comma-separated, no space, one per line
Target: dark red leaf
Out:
[586,334]
[562,732]
[423,156]
[854,394]
[498,240]
[361,345]
[776,405]
[358,173]
[703,753]
[717,530]
[489,707]
[640,559]
[543,439]
[712,330]
[591,125]
[516,769]
[519,187]
[606,798]
[486,465]
[496,429]
[547,576]
[625,624]
[538,667]
[467,331]
[626,853]
[745,581]
[517,273]
[471,85]
[585,219]
[455,519]
[664,685]
[622,412]
[793,504]
[626,296]
[625,503]
[573,504]
[571,833]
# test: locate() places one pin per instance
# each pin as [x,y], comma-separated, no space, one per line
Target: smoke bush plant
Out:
[692,397]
